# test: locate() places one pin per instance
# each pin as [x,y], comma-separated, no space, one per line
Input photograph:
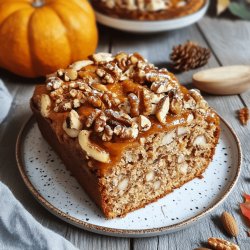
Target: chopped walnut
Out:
[76,103]
[100,72]
[176,105]
[83,86]
[95,101]
[109,73]
[121,118]
[125,92]
[122,59]
[63,106]
[127,74]
[244,115]
[200,102]
[126,132]
[106,100]
[161,87]
[189,103]
[54,83]
[110,100]
[70,74]
[136,58]
[100,122]
[107,134]
[57,93]
[67,74]
[73,92]
[91,118]
[102,58]
[134,104]
[146,97]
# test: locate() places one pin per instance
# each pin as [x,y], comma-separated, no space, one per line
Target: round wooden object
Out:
[228,80]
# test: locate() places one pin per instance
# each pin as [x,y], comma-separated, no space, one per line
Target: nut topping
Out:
[100,122]
[71,132]
[119,117]
[45,105]
[102,57]
[221,244]
[91,118]
[95,101]
[92,150]
[122,94]
[134,104]
[144,123]
[162,109]
[72,125]
[160,87]
[53,82]
[148,108]
[125,132]
[198,98]
[73,120]
[80,64]
[70,74]
[176,105]
[107,134]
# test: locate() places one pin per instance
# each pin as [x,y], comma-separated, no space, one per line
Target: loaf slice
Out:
[128,131]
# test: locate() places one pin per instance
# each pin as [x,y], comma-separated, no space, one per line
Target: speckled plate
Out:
[54,187]
[139,26]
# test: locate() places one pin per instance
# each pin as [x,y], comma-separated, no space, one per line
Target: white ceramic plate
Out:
[54,187]
[151,26]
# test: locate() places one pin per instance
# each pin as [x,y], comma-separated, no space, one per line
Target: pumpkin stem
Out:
[38,3]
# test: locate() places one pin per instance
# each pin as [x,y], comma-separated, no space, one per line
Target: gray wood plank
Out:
[89,241]
[230,41]
[145,243]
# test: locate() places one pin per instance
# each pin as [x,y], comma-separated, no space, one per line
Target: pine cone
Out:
[189,56]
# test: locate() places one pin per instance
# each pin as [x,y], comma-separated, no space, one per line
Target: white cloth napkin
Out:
[18,229]
[5,101]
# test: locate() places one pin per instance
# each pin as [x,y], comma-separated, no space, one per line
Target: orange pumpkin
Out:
[38,37]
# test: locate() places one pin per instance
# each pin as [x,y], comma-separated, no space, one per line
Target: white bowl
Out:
[151,26]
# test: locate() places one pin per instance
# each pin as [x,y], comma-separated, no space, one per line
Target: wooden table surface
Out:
[229,41]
